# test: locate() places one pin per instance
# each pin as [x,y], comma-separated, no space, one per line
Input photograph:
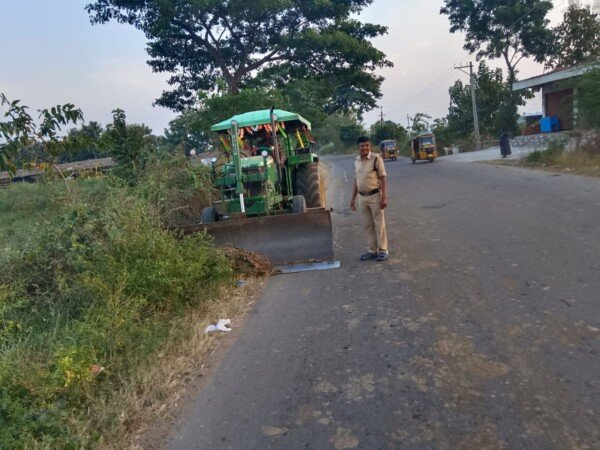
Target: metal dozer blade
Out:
[286,239]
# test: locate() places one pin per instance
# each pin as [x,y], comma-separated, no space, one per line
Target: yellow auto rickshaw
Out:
[423,148]
[388,149]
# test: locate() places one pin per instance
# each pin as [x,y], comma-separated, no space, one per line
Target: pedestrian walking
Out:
[505,144]
[370,188]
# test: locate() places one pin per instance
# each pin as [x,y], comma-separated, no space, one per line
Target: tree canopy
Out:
[20,131]
[202,43]
[588,92]
[381,131]
[512,30]
[491,92]
[578,37]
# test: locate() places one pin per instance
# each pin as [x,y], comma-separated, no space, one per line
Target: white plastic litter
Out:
[222,325]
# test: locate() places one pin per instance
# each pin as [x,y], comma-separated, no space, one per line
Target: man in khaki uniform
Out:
[371,188]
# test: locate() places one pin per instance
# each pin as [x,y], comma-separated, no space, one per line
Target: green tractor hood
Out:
[262,117]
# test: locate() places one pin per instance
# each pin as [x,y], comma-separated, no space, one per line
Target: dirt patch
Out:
[251,264]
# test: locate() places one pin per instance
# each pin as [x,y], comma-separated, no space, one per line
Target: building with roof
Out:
[558,89]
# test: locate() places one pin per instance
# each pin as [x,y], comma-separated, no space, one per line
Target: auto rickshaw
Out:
[423,148]
[388,150]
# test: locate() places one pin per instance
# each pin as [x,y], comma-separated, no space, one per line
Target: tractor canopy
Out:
[262,117]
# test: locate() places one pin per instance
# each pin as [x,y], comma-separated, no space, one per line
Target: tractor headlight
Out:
[213,160]
[264,153]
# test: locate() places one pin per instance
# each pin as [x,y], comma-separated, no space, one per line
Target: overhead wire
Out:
[417,98]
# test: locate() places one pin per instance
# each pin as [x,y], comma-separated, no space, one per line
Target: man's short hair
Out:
[362,139]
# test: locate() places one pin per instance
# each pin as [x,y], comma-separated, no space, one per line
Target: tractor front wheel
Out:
[298,204]
[310,184]
[209,214]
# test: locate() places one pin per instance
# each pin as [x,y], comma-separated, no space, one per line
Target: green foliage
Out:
[578,37]
[187,132]
[177,190]
[338,133]
[496,105]
[499,29]
[204,43]
[420,124]
[381,131]
[89,135]
[191,130]
[546,156]
[21,132]
[98,282]
[588,93]
[131,146]
[444,135]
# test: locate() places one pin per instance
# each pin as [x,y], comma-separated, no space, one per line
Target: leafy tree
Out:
[444,135]
[185,133]
[512,30]
[203,42]
[129,145]
[89,136]
[191,130]
[491,94]
[381,131]
[22,133]
[350,132]
[420,123]
[588,93]
[338,132]
[578,37]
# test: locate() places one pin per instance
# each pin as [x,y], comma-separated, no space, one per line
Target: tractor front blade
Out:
[283,239]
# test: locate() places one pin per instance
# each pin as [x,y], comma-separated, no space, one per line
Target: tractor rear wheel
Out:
[298,204]
[209,214]
[310,184]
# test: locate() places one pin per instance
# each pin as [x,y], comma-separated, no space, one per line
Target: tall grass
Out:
[88,281]
[582,160]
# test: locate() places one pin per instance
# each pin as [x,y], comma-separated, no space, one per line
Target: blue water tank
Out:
[549,124]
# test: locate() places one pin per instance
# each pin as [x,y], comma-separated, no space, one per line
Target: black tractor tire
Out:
[310,184]
[209,215]
[298,204]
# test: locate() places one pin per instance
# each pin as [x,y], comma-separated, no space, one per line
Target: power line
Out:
[414,100]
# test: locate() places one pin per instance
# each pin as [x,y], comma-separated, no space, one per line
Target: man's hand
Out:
[383,202]
[353,204]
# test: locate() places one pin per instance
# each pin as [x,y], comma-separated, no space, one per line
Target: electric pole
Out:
[474,101]
[381,115]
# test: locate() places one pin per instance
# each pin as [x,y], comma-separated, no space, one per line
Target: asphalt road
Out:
[482,330]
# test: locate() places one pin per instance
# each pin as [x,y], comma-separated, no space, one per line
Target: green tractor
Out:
[271,196]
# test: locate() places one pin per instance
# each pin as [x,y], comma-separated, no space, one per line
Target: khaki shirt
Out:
[365,175]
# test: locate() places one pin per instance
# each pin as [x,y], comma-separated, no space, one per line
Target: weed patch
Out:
[92,291]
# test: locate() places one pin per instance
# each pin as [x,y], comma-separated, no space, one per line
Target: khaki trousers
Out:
[373,222]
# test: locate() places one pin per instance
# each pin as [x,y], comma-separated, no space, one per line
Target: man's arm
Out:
[383,187]
[353,200]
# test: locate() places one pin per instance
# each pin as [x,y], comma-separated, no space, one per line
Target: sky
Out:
[53,55]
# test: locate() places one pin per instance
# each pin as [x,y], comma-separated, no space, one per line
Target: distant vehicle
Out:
[388,149]
[423,148]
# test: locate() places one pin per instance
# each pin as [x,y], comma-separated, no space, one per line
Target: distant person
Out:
[505,144]
[371,188]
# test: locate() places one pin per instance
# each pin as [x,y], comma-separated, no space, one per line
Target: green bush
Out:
[555,148]
[98,282]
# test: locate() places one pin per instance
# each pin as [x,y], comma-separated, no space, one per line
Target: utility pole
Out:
[474,101]
[408,122]
[381,115]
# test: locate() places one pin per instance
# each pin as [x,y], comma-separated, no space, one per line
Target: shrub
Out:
[98,284]
[555,148]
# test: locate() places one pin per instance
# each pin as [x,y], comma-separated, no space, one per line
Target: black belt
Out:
[367,194]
